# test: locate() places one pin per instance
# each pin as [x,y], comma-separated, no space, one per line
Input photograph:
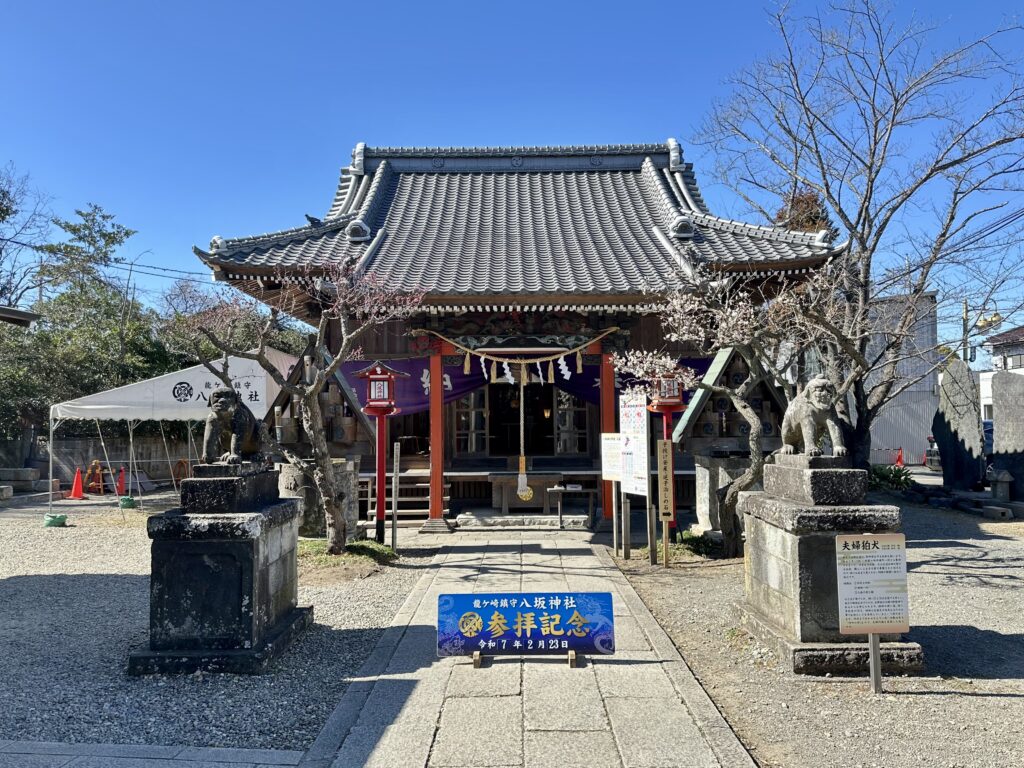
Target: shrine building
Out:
[537,263]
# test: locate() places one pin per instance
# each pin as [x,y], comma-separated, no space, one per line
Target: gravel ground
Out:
[966,584]
[74,601]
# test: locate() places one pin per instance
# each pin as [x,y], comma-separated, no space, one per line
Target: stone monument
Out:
[224,581]
[713,472]
[790,585]
[294,484]
[956,428]
[1008,432]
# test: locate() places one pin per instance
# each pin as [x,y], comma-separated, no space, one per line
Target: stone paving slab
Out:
[546,705]
[657,732]
[581,749]
[479,732]
[633,674]
[498,677]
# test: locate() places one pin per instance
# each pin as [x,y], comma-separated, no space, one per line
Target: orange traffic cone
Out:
[899,458]
[76,486]
[120,482]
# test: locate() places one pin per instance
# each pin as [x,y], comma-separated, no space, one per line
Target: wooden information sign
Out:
[665,479]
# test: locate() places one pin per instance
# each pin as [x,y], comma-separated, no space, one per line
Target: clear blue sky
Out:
[190,119]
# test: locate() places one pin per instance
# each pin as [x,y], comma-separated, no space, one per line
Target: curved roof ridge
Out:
[360,228]
[811,239]
[673,219]
[220,244]
[512,151]
[342,194]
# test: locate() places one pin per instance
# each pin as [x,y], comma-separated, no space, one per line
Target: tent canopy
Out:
[180,396]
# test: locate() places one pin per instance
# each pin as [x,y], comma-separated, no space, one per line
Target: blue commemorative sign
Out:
[525,623]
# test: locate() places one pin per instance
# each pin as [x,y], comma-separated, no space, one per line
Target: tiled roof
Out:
[617,219]
[1011,336]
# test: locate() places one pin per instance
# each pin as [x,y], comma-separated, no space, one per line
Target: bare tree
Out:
[756,322]
[350,302]
[24,227]
[916,154]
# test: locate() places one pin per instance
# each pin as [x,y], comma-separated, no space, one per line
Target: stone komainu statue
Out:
[229,417]
[810,413]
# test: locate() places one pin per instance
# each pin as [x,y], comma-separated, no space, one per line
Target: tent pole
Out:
[167,453]
[49,496]
[106,457]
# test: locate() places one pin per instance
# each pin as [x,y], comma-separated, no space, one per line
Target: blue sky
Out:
[190,119]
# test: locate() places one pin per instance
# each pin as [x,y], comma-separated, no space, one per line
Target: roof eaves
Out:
[815,240]
[226,247]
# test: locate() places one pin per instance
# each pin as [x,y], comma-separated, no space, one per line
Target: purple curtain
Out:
[412,394]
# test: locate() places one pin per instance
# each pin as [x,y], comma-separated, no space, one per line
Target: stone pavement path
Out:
[640,707]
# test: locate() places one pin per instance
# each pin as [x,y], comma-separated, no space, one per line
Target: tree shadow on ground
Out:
[66,640]
[958,650]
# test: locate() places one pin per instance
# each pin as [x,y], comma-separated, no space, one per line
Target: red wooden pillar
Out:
[607,423]
[382,486]
[436,434]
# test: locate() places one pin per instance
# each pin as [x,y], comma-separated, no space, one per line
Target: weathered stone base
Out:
[247,661]
[501,520]
[708,533]
[842,659]
[435,525]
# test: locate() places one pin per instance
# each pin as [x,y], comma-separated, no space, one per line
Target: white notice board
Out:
[633,427]
[611,457]
[872,580]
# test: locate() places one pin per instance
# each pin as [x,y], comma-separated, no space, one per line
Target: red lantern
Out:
[380,389]
[666,394]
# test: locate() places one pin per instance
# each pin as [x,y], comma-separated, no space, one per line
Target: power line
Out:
[157,274]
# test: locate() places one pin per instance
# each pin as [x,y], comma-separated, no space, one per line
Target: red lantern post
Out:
[380,402]
[667,399]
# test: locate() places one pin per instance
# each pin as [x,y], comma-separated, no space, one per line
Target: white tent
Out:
[178,396]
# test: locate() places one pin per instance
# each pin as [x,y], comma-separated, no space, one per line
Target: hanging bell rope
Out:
[523,490]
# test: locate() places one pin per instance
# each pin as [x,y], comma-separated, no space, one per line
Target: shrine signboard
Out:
[611,457]
[872,579]
[525,623]
[633,417]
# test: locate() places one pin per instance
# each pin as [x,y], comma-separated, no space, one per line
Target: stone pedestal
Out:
[712,473]
[791,600]
[224,582]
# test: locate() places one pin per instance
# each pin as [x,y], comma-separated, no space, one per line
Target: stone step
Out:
[18,474]
[6,492]
[1017,507]
[996,513]
[31,499]
[498,519]
[34,486]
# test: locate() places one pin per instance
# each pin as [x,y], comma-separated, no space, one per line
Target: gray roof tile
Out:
[521,220]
